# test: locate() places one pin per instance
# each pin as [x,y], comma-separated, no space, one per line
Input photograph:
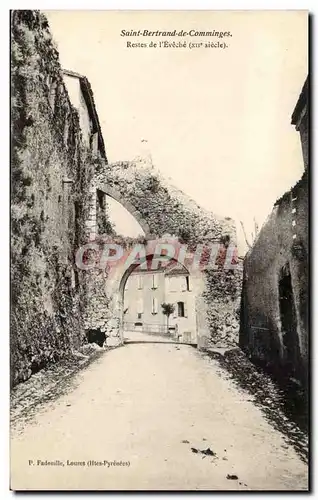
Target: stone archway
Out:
[115,288]
[161,210]
[116,195]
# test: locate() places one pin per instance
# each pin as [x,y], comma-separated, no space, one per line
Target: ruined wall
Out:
[216,296]
[54,182]
[48,211]
[223,299]
[100,312]
[163,207]
[282,243]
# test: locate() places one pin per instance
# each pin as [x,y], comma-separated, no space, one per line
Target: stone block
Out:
[113,341]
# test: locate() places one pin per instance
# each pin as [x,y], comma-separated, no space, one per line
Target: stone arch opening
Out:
[117,196]
[153,293]
[122,221]
[110,289]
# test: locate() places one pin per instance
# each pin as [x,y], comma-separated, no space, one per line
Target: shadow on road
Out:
[283,406]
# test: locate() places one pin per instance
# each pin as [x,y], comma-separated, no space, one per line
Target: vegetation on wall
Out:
[52,300]
[222,296]
[103,222]
[165,208]
[47,217]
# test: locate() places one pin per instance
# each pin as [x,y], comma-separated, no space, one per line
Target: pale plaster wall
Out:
[77,99]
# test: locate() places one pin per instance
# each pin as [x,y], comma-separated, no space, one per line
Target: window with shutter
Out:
[185,309]
[175,312]
[140,282]
[181,309]
[154,281]
[154,305]
[188,283]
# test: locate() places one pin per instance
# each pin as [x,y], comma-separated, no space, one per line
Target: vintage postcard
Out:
[159,250]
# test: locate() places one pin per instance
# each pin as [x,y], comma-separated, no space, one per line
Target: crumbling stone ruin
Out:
[160,208]
[274,311]
[51,172]
[60,174]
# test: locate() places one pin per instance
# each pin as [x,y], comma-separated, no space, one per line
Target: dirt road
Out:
[153,416]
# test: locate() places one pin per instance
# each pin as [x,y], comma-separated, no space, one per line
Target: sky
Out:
[217,122]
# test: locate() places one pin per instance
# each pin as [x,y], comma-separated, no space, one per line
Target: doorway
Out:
[288,321]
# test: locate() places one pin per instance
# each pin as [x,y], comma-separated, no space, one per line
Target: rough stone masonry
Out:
[161,208]
[47,211]
[53,178]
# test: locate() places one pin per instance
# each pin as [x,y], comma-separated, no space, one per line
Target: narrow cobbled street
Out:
[153,416]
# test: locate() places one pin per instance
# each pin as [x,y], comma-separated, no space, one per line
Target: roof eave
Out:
[88,96]
[301,103]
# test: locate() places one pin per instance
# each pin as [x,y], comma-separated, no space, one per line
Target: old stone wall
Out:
[216,295]
[223,298]
[164,208]
[161,208]
[280,249]
[51,172]
[98,312]
[55,211]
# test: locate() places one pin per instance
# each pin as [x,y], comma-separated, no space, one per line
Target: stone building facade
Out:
[143,295]
[274,307]
[146,291]
[179,292]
